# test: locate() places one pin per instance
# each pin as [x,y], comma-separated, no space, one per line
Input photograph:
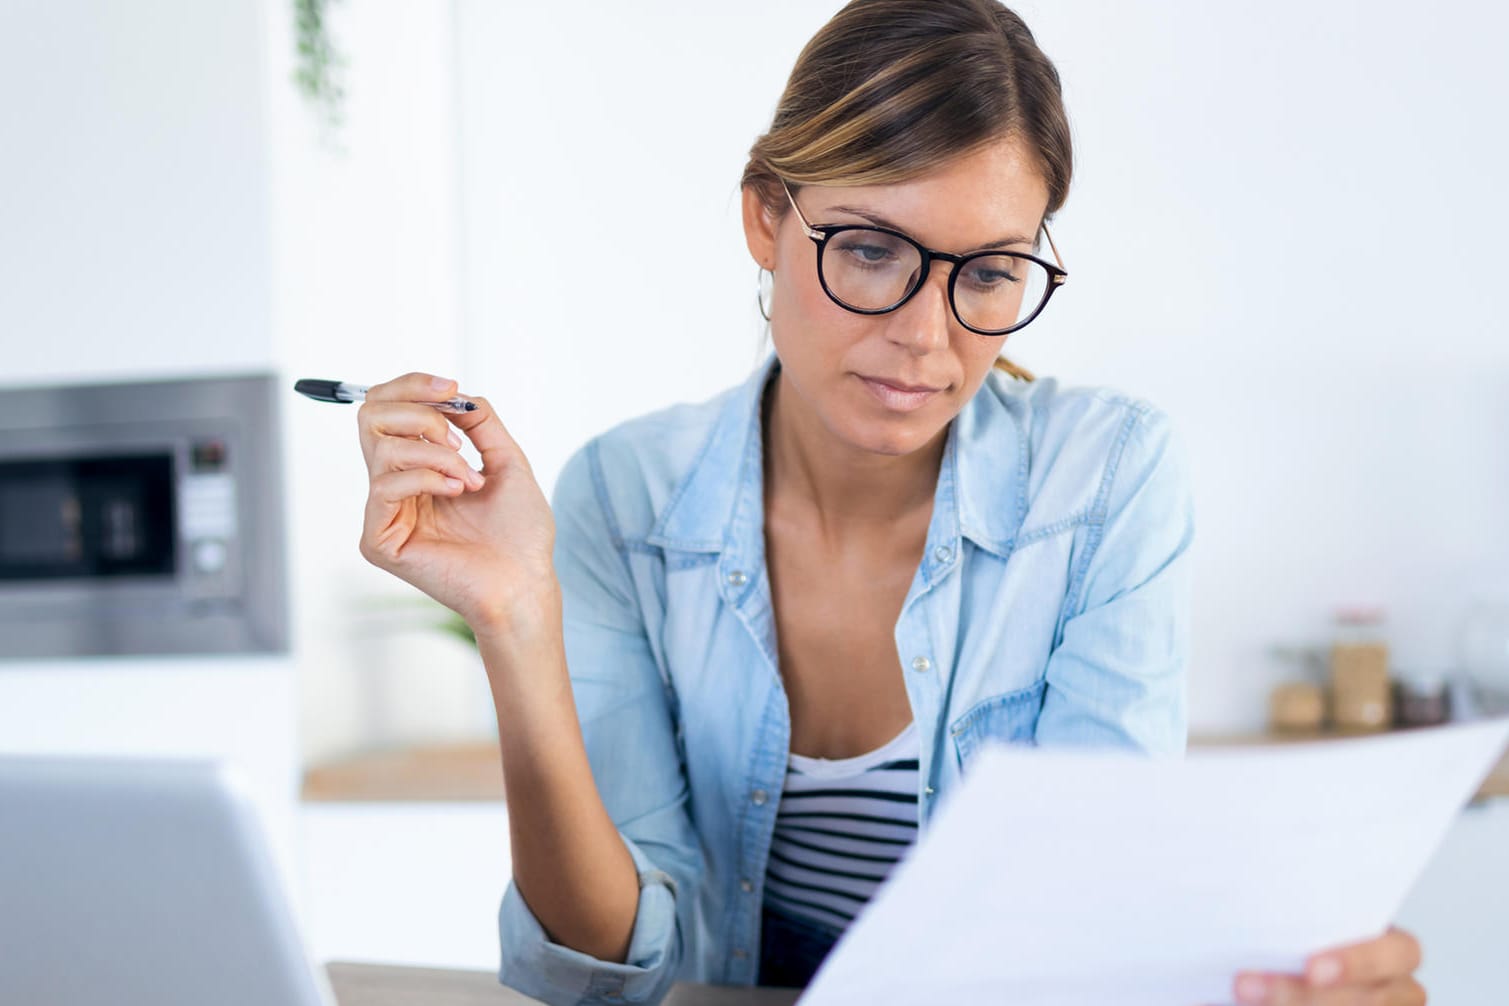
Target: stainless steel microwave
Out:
[142,518]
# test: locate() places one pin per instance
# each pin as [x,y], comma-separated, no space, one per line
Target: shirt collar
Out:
[981,491]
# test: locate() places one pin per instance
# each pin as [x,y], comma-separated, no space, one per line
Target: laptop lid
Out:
[141,881]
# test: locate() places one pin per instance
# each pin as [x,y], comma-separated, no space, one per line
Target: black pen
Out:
[339,391]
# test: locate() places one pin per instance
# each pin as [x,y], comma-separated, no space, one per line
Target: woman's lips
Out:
[897,398]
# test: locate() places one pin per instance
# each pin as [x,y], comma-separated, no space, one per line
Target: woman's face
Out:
[830,356]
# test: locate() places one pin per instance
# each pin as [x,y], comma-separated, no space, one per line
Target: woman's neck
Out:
[843,490]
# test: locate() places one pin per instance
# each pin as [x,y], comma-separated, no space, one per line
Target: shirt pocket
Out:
[1009,718]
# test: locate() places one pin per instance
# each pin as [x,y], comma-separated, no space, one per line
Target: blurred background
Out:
[1285,229]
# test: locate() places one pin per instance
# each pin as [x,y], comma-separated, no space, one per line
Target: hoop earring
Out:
[760,291]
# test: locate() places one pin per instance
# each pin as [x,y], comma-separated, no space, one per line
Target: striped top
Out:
[841,826]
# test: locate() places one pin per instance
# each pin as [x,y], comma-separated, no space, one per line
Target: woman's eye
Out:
[984,276]
[868,254]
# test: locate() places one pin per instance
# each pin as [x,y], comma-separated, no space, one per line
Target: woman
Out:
[758,637]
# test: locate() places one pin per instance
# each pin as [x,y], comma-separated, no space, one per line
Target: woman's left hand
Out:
[1376,973]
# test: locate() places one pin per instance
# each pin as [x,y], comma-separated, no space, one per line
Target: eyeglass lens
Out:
[871,270]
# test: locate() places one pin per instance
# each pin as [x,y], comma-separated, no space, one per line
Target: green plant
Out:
[317,72]
[454,625]
[414,610]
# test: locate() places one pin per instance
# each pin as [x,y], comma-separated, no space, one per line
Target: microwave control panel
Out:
[207,520]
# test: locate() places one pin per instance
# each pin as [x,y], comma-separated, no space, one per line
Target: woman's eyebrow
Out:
[880,221]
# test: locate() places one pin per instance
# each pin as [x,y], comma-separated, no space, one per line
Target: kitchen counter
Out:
[465,772]
[472,772]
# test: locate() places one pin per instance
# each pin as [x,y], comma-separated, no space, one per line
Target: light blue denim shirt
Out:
[1051,606]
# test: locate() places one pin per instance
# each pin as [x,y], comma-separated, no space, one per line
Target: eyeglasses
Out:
[875,270]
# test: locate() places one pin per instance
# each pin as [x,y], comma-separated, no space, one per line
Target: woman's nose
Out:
[923,322]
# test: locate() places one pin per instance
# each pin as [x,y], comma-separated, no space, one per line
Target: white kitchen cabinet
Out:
[419,883]
[410,883]
[1460,910]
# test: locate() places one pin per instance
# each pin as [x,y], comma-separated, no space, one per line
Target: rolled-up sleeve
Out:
[627,713]
[1119,675]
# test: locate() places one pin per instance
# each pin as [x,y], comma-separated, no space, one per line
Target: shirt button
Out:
[943,553]
[740,953]
[921,663]
[759,797]
[928,791]
[737,578]
[746,886]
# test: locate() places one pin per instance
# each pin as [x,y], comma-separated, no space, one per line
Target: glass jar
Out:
[1361,692]
[1421,699]
[1483,654]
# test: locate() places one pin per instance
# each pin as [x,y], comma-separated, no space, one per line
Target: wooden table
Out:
[388,985]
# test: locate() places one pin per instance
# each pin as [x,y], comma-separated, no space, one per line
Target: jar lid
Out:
[1420,679]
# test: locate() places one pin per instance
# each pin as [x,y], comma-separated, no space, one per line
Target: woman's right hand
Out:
[479,543]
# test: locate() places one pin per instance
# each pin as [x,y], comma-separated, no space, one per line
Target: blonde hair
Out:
[890,89]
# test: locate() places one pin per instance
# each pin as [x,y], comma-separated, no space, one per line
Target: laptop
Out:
[141,882]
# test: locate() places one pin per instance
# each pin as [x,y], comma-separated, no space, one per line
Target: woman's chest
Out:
[770,653]
[835,614]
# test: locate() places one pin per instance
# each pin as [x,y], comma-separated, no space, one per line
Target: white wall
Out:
[173,211]
[365,245]
[135,189]
[1285,229]
[605,269]
[135,243]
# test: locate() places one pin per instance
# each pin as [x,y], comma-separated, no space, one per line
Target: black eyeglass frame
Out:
[822,233]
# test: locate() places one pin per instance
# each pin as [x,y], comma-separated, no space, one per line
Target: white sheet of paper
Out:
[1058,877]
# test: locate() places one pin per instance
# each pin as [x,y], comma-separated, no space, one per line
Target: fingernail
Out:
[1325,971]
[474,477]
[453,483]
[455,440]
[1251,990]
[440,383]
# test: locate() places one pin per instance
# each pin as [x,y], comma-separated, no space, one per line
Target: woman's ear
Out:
[759,228]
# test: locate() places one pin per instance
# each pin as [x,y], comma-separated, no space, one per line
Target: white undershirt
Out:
[841,825]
